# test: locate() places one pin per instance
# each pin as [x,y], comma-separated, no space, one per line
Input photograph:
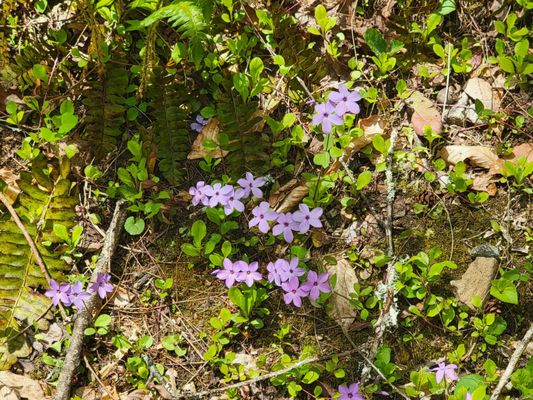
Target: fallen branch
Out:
[512,362]
[386,290]
[33,248]
[85,316]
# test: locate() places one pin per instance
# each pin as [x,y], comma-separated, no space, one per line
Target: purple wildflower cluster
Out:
[339,103]
[75,295]
[199,123]
[286,223]
[228,196]
[443,370]
[286,274]
[238,271]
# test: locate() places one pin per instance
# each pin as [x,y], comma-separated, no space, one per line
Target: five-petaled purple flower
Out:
[252,185]
[262,215]
[276,271]
[101,285]
[350,392]
[77,295]
[230,271]
[234,201]
[345,101]
[285,225]
[293,292]
[200,122]
[447,371]
[217,194]
[325,115]
[316,284]
[306,218]
[59,293]
[291,269]
[198,195]
[248,273]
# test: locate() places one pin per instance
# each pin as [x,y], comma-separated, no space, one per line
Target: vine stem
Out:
[520,348]
[85,315]
[33,247]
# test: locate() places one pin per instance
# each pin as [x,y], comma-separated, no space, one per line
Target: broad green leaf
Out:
[198,232]
[504,290]
[375,41]
[363,179]
[134,226]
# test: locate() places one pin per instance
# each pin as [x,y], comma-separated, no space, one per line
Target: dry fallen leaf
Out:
[479,156]
[288,196]
[485,183]
[341,309]
[208,132]
[10,178]
[425,113]
[480,89]
[26,388]
[522,150]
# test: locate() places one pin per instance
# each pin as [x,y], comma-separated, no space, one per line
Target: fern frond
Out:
[106,110]
[39,208]
[171,130]
[248,147]
[189,18]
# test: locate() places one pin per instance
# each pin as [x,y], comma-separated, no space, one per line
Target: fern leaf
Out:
[187,17]
[39,208]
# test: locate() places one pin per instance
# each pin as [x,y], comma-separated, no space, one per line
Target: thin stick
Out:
[447,83]
[85,316]
[33,248]
[388,314]
[89,366]
[512,362]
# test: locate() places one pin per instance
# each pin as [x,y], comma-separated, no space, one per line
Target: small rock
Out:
[485,250]
[476,280]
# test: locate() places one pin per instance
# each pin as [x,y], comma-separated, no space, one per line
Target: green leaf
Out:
[310,377]
[190,250]
[134,226]
[446,7]
[375,41]
[11,107]
[521,48]
[102,321]
[61,232]
[363,179]
[198,232]
[504,290]
[256,67]
[380,144]
[506,64]
[322,159]
[40,72]
[241,83]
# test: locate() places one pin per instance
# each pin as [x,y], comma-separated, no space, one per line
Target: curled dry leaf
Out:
[341,309]
[25,388]
[485,183]
[522,150]
[479,156]
[291,198]
[480,89]
[425,113]
[10,178]
[208,132]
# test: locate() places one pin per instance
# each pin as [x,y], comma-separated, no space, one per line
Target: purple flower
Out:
[101,285]
[285,225]
[447,371]
[198,195]
[262,214]
[345,101]
[234,201]
[77,295]
[325,116]
[248,273]
[58,293]
[350,392]
[293,292]
[316,284]
[291,270]
[276,270]
[229,273]
[251,185]
[200,122]
[306,218]
[217,194]
[468,396]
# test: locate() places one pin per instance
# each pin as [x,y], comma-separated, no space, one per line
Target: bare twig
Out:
[33,248]
[386,290]
[512,362]
[447,83]
[85,316]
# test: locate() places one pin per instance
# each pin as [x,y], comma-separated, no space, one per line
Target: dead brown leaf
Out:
[291,199]
[341,309]
[10,178]
[485,183]
[479,156]
[425,113]
[478,88]
[522,150]
[208,132]
[25,388]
